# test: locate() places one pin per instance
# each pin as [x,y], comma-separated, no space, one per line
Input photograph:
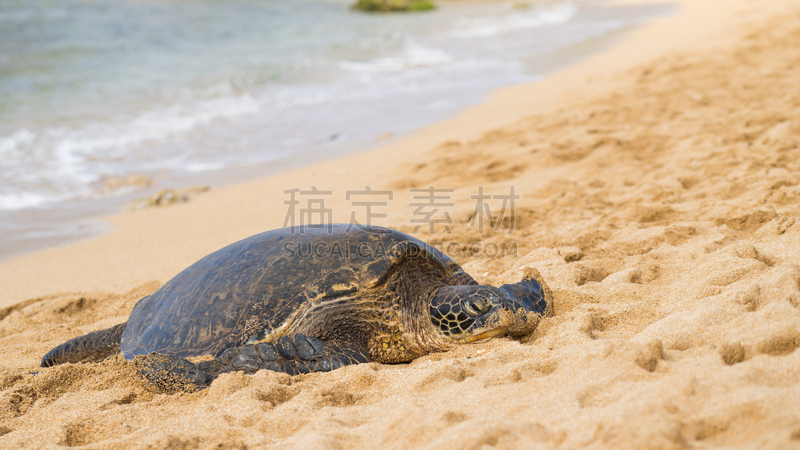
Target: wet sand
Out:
[659,188]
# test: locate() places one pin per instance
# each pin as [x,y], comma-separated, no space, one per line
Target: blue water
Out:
[185,92]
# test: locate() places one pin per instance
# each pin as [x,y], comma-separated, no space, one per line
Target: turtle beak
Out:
[497,332]
[494,323]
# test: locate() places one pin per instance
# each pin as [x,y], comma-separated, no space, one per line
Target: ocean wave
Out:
[10,143]
[311,100]
[413,55]
[175,120]
[518,20]
[205,166]
[61,162]
[24,200]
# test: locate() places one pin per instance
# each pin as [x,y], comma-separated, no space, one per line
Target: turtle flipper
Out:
[293,355]
[95,345]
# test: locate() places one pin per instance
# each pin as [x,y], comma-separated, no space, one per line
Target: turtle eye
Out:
[475,308]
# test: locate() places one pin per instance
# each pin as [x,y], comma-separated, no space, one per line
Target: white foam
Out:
[10,143]
[518,20]
[172,121]
[413,55]
[61,162]
[23,200]
[204,166]
[311,100]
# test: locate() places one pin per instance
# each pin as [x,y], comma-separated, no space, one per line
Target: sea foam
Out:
[515,20]
[413,55]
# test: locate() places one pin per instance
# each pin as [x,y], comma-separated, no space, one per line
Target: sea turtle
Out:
[308,299]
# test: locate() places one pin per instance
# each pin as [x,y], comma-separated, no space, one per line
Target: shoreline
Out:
[505,106]
[356,104]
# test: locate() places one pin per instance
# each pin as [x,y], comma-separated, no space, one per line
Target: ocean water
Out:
[192,91]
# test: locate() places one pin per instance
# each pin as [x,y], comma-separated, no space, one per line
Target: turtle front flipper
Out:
[293,355]
[93,346]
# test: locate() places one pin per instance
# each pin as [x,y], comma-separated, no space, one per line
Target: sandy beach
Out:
[659,192]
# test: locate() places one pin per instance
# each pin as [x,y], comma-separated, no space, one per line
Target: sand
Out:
[659,189]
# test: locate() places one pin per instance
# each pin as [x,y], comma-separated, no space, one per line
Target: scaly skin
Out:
[291,355]
[96,345]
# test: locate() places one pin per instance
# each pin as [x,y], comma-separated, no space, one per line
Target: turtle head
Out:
[470,313]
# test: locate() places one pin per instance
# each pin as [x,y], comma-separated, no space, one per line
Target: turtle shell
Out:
[254,286]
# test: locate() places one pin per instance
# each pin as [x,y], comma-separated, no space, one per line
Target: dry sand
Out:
[659,200]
